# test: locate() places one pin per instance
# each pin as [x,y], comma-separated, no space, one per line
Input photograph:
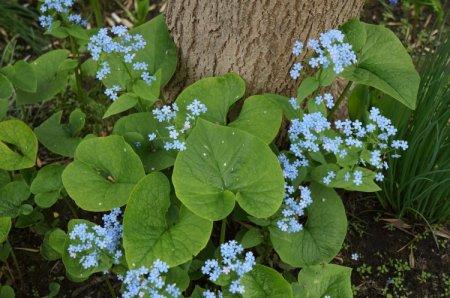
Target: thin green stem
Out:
[78,79]
[95,4]
[223,229]
[110,288]
[16,263]
[340,99]
[71,208]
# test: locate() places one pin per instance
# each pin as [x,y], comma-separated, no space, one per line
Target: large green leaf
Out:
[148,235]
[222,165]
[123,103]
[102,174]
[5,226]
[57,137]
[18,145]
[22,75]
[265,282]
[323,234]
[135,128]
[50,78]
[73,267]
[6,88]
[260,116]
[12,196]
[217,93]
[4,178]
[160,52]
[52,247]
[368,176]
[47,185]
[324,280]
[383,62]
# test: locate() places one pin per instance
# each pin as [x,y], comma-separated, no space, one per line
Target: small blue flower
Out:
[112,92]
[89,243]
[330,176]
[150,282]
[231,262]
[297,48]
[140,66]
[293,209]
[379,177]
[46,21]
[357,178]
[103,71]
[295,71]
[77,19]
[294,103]
[146,77]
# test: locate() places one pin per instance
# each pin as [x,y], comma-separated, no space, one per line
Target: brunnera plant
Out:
[187,192]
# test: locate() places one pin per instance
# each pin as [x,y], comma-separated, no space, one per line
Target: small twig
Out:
[34,250]
[16,263]
[340,99]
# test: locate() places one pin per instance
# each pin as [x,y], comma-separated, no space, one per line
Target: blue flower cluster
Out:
[329,49]
[293,208]
[51,8]
[95,241]
[118,41]
[231,263]
[167,114]
[211,294]
[144,282]
[313,133]
[327,98]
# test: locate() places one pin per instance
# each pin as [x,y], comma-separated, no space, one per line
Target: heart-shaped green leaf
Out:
[18,145]
[222,165]
[265,282]
[21,75]
[148,235]
[160,52]
[323,235]
[7,292]
[58,137]
[324,280]
[260,116]
[52,247]
[47,185]
[50,79]
[6,88]
[12,196]
[123,103]
[73,267]
[5,226]
[368,176]
[135,129]
[103,173]
[217,93]
[149,93]
[383,62]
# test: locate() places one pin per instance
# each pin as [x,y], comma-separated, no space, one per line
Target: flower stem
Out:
[340,99]
[110,288]
[71,208]
[97,12]
[16,263]
[223,229]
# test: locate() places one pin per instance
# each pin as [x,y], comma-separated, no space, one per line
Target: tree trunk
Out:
[253,38]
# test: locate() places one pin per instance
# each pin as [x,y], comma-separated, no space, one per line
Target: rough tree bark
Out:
[250,37]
